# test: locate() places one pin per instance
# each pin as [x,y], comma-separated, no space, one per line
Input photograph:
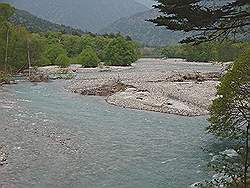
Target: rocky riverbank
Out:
[169,86]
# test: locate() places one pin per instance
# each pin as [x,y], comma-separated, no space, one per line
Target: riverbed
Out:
[172,86]
[51,137]
[54,138]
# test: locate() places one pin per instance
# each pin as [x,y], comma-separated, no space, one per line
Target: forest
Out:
[19,47]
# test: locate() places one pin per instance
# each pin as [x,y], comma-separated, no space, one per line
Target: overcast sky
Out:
[148,3]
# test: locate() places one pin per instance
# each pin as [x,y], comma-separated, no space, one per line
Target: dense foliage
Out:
[121,52]
[210,51]
[62,60]
[88,58]
[230,111]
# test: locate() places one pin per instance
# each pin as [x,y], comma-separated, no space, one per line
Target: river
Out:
[53,138]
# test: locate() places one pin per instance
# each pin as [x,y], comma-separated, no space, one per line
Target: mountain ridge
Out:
[88,15]
[35,24]
[139,29]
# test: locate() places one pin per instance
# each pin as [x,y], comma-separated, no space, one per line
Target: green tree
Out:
[98,43]
[17,49]
[88,58]
[175,51]
[62,60]
[210,21]
[5,11]
[72,44]
[53,51]
[203,52]
[230,111]
[37,48]
[121,52]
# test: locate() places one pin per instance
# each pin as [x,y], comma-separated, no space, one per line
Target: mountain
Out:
[139,29]
[89,15]
[35,24]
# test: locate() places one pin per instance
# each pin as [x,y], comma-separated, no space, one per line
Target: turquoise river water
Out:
[55,138]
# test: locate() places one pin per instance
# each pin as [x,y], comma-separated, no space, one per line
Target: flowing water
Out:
[74,141]
[54,138]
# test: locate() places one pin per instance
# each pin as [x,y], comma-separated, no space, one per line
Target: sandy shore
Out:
[168,86]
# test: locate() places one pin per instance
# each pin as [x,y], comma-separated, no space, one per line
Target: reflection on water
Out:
[75,141]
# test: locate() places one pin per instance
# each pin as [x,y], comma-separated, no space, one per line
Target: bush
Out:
[88,58]
[121,52]
[62,60]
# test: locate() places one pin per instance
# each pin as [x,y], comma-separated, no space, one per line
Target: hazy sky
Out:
[148,3]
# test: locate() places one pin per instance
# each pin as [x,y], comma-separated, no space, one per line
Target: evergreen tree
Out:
[210,19]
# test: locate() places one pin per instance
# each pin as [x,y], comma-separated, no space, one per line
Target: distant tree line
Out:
[210,51]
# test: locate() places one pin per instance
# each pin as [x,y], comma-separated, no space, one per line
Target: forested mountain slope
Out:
[89,15]
[139,29]
[35,24]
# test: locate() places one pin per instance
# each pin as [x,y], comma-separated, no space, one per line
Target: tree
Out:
[230,111]
[53,51]
[121,52]
[72,44]
[62,60]
[210,20]
[17,49]
[175,51]
[37,48]
[88,58]
[203,52]
[5,11]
